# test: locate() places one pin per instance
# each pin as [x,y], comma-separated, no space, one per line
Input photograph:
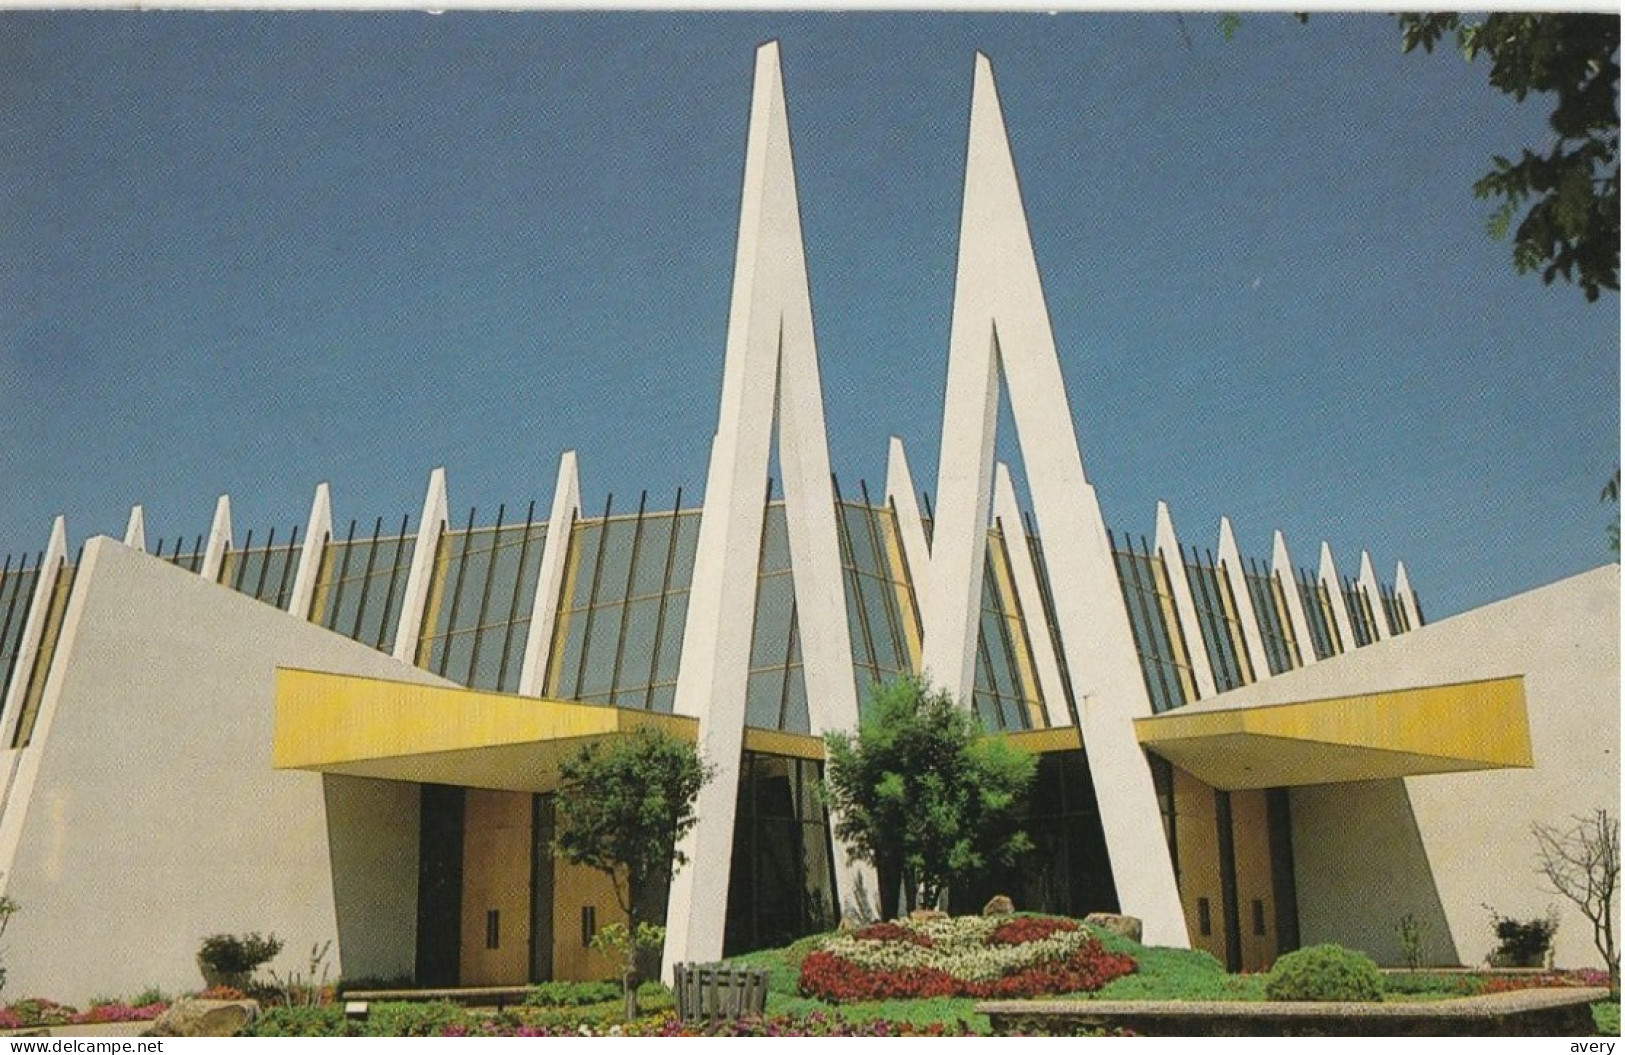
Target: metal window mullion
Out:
[1010,608]
[265,563]
[1047,598]
[1156,625]
[456,595]
[592,597]
[789,649]
[366,579]
[665,593]
[987,665]
[1204,615]
[905,576]
[626,597]
[1179,639]
[1145,645]
[394,577]
[1162,644]
[485,598]
[513,602]
[289,565]
[881,561]
[336,580]
[1231,609]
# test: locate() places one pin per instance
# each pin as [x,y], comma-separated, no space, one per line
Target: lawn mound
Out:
[984,957]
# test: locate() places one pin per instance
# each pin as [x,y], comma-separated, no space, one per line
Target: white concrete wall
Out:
[153,816]
[1356,860]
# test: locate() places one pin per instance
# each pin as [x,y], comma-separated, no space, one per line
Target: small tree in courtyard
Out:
[920,794]
[1582,863]
[626,803]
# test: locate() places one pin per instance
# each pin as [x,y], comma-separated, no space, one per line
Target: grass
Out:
[1164,974]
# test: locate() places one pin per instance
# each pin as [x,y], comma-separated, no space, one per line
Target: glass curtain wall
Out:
[264,572]
[1317,611]
[619,633]
[17,582]
[480,596]
[782,880]
[1221,629]
[362,582]
[1148,596]
[1274,626]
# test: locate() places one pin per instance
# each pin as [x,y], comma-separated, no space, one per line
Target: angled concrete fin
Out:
[1173,558]
[135,532]
[904,499]
[1236,575]
[319,527]
[28,645]
[1334,596]
[1407,596]
[415,598]
[1373,596]
[561,520]
[770,374]
[1001,323]
[1287,577]
[214,554]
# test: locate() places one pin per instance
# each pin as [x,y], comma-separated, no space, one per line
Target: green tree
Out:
[923,796]
[1567,195]
[626,803]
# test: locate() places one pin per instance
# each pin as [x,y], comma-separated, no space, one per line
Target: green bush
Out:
[238,954]
[321,1021]
[1324,972]
[571,994]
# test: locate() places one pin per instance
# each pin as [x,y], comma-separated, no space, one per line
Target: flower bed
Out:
[975,956]
[34,1014]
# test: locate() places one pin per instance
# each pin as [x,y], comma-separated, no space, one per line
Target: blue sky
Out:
[246,253]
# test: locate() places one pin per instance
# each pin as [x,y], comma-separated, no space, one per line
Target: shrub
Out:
[1523,943]
[1324,972]
[235,955]
[571,994]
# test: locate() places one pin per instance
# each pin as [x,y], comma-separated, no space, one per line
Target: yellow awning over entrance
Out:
[1399,733]
[393,730]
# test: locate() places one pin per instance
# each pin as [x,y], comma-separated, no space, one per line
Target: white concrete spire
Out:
[770,373]
[317,531]
[1334,596]
[432,521]
[901,494]
[544,611]
[1236,575]
[1281,566]
[1373,596]
[135,532]
[1184,604]
[1001,324]
[1407,596]
[214,553]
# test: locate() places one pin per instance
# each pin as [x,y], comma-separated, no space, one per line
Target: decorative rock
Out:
[1123,926]
[998,905]
[849,923]
[920,915]
[204,1018]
